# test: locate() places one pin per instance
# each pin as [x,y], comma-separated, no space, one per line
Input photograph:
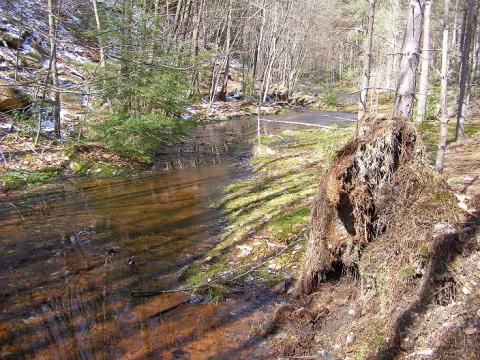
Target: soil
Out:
[415,293]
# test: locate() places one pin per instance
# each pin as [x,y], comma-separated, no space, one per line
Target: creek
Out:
[70,260]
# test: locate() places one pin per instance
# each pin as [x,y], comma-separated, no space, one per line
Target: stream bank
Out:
[73,258]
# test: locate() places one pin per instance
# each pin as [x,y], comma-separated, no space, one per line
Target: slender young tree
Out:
[99,28]
[469,34]
[407,77]
[223,91]
[52,34]
[423,89]
[362,104]
[443,95]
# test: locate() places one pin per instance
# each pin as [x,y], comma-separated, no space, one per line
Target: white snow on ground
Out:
[26,22]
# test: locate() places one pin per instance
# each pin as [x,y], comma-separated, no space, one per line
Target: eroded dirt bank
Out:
[406,286]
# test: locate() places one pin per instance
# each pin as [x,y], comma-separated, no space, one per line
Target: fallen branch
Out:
[264,262]
[168,309]
[302,123]
[149,293]
[16,208]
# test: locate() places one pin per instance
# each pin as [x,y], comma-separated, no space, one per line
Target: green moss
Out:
[20,180]
[286,226]
[274,204]
[423,252]
[218,292]
[13,180]
[81,166]
[407,273]
[29,158]
[42,177]
[269,278]
[379,341]
[105,170]
[195,275]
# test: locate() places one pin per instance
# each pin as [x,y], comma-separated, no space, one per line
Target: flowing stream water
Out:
[70,260]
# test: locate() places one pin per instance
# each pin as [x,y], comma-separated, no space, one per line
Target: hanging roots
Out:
[344,212]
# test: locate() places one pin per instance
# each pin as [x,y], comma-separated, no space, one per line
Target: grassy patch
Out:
[286,226]
[271,209]
[430,133]
[19,180]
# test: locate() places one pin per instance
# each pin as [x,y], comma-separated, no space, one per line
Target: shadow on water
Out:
[70,260]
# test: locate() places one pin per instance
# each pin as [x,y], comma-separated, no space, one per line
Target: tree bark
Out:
[223,91]
[423,89]
[99,28]
[469,34]
[444,96]
[407,77]
[52,34]
[362,104]
[126,44]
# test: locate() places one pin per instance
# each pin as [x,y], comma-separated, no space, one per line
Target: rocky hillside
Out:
[24,54]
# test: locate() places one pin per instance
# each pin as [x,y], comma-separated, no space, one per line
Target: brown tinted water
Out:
[70,260]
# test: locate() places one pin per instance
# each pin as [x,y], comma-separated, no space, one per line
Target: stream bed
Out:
[70,260]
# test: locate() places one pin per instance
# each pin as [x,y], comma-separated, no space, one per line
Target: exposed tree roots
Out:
[344,213]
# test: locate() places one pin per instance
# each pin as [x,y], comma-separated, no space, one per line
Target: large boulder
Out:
[11,97]
[278,92]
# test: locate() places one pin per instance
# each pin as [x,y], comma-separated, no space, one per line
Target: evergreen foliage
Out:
[144,92]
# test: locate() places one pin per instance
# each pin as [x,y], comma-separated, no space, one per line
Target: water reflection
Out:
[70,260]
[66,279]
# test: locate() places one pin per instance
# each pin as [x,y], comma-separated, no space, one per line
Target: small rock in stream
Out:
[196,299]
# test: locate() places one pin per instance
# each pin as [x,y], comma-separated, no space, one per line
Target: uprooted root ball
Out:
[344,213]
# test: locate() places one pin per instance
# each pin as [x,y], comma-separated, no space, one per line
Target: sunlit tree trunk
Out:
[362,104]
[470,27]
[99,28]
[52,34]
[407,76]
[392,57]
[223,91]
[423,89]
[444,96]
[126,43]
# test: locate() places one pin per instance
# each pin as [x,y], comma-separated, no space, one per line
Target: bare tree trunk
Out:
[444,96]
[223,91]
[260,41]
[407,77]
[423,90]
[99,28]
[460,38]
[470,28]
[455,21]
[391,60]
[362,104]
[271,57]
[476,54]
[52,34]
[126,44]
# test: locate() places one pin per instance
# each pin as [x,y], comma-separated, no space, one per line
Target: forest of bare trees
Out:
[266,49]
[237,179]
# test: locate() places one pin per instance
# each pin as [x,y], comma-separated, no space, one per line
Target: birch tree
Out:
[443,95]
[52,35]
[467,38]
[362,104]
[423,89]
[407,77]
[99,29]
